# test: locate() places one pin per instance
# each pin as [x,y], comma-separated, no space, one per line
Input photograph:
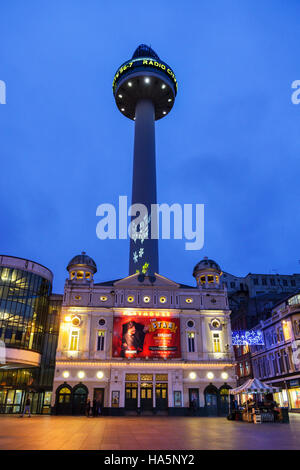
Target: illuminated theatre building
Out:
[179,349]
[144,343]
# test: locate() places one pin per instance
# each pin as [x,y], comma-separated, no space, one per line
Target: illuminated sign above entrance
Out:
[146,314]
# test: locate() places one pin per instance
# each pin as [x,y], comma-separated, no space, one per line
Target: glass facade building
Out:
[23,308]
[29,323]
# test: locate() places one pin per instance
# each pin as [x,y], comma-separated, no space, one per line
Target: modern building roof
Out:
[144,51]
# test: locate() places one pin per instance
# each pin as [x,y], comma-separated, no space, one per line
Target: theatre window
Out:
[100,340]
[74,340]
[191,341]
[216,343]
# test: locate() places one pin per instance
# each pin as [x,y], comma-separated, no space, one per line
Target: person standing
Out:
[98,404]
[26,408]
[88,408]
[94,410]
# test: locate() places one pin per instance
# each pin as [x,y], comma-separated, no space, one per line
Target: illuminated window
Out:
[74,340]
[75,321]
[87,275]
[77,297]
[163,300]
[189,300]
[73,274]
[161,377]
[103,298]
[130,298]
[210,279]
[147,377]
[191,342]
[295,397]
[216,343]
[64,395]
[217,279]
[146,299]
[100,340]
[202,279]
[215,323]
[286,330]
[80,275]
[131,377]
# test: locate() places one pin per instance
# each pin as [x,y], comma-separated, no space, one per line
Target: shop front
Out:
[289,394]
[294,394]
[12,401]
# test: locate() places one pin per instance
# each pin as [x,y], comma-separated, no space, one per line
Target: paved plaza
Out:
[147,433]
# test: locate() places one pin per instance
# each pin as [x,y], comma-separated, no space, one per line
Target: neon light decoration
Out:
[243,337]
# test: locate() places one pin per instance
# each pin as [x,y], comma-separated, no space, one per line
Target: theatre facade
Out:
[143,344]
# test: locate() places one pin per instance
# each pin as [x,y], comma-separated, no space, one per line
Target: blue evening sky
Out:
[231,142]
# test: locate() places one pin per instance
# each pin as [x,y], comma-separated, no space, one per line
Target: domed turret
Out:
[207,273]
[82,267]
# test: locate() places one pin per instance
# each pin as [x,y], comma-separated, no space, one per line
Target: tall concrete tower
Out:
[144,88]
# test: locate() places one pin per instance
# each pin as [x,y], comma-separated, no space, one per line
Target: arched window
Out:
[211,395]
[63,393]
[63,399]
[224,399]
[79,399]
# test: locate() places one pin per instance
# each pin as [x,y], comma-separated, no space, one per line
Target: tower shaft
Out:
[145,89]
[144,249]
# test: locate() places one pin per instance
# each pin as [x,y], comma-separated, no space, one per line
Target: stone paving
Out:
[147,433]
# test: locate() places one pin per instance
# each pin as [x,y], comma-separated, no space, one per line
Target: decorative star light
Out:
[141,252]
[135,257]
[145,268]
[243,337]
[134,233]
[143,232]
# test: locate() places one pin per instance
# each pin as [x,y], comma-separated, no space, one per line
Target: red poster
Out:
[136,336]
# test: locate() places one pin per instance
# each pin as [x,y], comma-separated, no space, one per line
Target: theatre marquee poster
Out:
[146,337]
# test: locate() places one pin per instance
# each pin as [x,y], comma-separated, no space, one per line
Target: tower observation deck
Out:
[144,88]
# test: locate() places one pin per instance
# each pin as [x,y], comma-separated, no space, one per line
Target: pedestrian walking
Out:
[26,408]
[98,405]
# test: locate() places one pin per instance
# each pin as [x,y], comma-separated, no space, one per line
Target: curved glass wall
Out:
[24,300]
